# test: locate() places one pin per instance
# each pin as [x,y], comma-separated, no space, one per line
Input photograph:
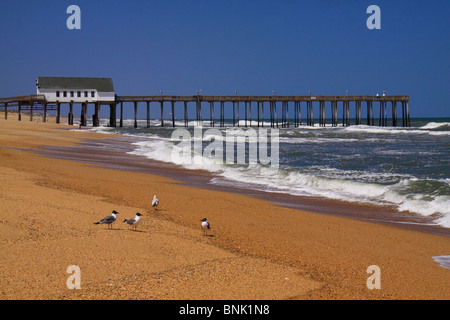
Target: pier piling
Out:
[135,114]
[70,120]
[148,114]
[96,118]
[58,112]
[121,114]
[173,113]
[186,121]
[162,113]
[113,115]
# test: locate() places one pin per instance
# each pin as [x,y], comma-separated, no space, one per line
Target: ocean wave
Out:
[294,140]
[394,130]
[435,125]
[296,183]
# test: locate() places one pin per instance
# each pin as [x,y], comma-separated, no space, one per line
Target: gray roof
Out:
[101,84]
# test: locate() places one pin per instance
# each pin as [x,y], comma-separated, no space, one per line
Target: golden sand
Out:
[255,249]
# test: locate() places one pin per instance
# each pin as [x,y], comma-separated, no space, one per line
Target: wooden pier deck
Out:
[271,113]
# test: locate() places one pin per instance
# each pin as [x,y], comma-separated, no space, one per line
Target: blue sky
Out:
[221,46]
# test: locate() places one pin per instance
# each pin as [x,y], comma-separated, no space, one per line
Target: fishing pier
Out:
[254,111]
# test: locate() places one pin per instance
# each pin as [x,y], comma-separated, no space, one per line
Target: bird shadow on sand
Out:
[124,229]
[209,235]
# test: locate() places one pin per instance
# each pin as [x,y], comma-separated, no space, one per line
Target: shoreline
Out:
[283,253]
[113,155]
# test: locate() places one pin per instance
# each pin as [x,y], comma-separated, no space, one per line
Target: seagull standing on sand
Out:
[155,202]
[134,221]
[109,220]
[205,225]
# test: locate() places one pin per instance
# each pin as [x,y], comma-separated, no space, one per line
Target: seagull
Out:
[134,221]
[205,225]
[155,202]
[109,220]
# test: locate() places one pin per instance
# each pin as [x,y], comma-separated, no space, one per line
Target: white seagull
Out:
[155,202]
[134,221]
[205,225]
[109,220]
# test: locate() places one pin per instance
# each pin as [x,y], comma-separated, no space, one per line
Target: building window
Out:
[57,94]
[65,94]
[85,94]
[72,94]
[93,94]
[79,94]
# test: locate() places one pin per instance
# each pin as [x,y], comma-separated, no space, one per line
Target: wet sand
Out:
[255,250]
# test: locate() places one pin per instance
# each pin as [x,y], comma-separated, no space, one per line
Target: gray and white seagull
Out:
[205,225]
[134,221]
[155,202]
[109,220]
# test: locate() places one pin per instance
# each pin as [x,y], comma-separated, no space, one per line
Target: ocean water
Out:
[404,168]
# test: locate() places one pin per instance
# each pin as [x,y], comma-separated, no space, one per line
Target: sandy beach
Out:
[255,249]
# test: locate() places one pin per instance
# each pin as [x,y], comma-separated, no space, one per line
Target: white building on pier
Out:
[77,90]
